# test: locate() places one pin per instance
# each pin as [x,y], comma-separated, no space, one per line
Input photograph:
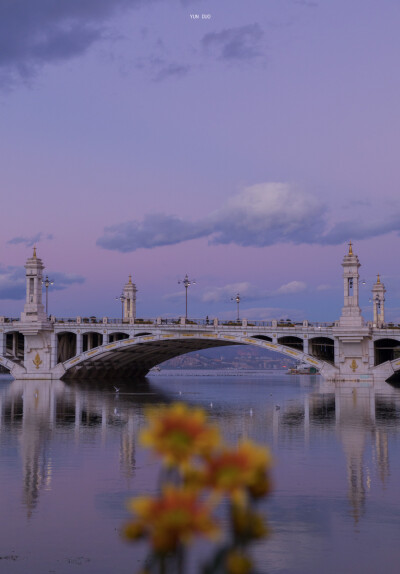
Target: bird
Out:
[277,407]
[116,389]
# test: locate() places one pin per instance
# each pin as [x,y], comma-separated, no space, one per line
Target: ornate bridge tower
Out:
[129,293]
[378,300]
[352,333]
[351,312]
[35,326]
[34,308]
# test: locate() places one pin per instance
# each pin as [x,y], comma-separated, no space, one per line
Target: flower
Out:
[172,518]
[247,524]
[238,563]
[178,433]
[233,470]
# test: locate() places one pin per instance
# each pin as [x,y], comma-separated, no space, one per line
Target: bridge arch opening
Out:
[66,346]
[323,348]
[145,333]
[262,338]
[117,336]
[293,342]
[15,346]
[386,350]
[90,340]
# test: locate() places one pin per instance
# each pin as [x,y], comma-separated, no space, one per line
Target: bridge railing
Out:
[181,322]
[8,319]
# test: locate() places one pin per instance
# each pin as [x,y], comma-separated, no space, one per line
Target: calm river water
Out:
[70,459]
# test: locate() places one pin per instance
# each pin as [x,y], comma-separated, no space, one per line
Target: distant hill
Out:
[231,357]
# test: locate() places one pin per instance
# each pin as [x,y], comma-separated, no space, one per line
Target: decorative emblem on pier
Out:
[353,365]
[37,361]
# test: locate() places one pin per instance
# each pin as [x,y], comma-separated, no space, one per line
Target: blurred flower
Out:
[233,470]
[238,562]
[171,519]
[178,433]
[247,524]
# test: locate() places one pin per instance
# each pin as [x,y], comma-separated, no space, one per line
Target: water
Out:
[70,459]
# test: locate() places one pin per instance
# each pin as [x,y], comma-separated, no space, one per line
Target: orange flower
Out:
[233,470]
[171,519]
[178,433]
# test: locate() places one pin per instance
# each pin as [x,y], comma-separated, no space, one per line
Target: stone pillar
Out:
[79,341]
[2,343]
[105,337]
[371,353]
[15,344]
[336,351]
[305,344]
[54,349]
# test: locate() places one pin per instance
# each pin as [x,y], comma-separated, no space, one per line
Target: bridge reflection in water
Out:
[37,414]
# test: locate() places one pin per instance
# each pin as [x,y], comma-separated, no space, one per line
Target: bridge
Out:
[37,347]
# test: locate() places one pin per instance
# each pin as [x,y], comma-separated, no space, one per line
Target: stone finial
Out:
[34,252]
[378,279]
[130,280]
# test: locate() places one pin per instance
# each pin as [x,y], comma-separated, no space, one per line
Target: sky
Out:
[243,143]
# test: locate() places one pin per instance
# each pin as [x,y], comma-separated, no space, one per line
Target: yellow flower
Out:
[232,470]
[238,563]
[178,433]
[247,524]
[172,518]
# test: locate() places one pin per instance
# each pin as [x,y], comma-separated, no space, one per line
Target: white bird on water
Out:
[116,389]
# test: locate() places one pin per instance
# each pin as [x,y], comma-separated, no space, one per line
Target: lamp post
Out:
[237,299]
[47,282]
[186,282]
[122,299]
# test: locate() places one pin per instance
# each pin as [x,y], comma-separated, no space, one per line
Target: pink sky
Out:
[245,149]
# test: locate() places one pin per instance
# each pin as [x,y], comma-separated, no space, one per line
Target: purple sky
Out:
[245,149]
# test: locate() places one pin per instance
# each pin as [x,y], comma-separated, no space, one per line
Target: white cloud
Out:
[225,292]
[291,287]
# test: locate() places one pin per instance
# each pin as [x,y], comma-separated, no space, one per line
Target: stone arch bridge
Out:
[36,346]
[99,348]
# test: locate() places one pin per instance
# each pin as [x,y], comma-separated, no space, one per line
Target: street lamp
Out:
[237,299]
[122,299]
[47,282]
[186,282]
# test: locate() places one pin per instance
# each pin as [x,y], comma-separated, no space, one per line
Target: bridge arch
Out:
[117,336]
[386,350]
[292,342]
[322,348]
[137,355]
[66,345]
